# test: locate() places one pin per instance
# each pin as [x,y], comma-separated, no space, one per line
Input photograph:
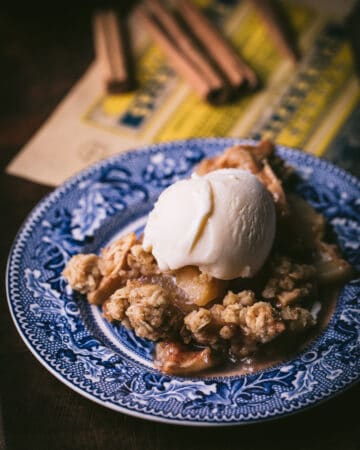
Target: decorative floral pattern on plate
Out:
[113,367]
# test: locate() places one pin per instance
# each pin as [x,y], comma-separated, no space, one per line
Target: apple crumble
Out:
[198,320]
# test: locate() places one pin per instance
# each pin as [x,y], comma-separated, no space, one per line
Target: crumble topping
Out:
[260,322]
[297,318]
[202,327]
[146,308]
[127,258]
[141,262]
[82,273]
[114,308]
[114,257]
[290,282]
[244,298]
[239,314]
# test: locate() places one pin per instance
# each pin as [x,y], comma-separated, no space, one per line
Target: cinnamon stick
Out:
[186,44]
[216,45]
[197,79]
[278,30]
[112,52]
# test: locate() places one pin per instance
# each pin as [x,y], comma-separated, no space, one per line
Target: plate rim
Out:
[51,197]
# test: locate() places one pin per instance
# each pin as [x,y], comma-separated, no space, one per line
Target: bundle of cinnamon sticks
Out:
[193,45]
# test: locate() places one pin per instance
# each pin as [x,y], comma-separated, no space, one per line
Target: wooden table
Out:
[44,57]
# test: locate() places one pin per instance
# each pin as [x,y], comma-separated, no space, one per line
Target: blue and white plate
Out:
[110,365]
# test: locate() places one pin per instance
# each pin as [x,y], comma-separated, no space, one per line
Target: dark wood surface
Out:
[44,56]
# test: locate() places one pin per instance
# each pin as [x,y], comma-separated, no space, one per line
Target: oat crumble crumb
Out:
[82,272]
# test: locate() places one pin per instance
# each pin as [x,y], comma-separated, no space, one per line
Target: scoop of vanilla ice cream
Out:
[223,222]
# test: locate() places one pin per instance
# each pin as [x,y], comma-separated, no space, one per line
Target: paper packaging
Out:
[302,107]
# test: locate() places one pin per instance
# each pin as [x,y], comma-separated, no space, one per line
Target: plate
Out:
[111,366]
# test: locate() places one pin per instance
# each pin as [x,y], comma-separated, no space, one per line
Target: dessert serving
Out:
[231,267]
